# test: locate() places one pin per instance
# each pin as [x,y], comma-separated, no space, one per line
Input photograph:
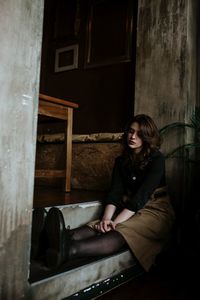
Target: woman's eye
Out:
[131,131]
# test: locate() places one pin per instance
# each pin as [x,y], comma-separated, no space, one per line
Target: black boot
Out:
[38,237]
[57,252]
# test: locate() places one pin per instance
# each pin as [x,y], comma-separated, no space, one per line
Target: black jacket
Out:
[138,185]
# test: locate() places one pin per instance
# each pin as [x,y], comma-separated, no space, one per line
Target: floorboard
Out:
[46,196]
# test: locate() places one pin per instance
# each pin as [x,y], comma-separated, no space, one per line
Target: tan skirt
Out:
[148,231]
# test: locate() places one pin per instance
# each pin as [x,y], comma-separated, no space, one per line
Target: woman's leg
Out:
[99,245]
[86,241]
[81,233]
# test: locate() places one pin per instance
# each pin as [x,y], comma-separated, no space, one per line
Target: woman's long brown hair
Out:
[149,135]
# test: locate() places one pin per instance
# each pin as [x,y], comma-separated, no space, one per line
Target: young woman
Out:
[137,214]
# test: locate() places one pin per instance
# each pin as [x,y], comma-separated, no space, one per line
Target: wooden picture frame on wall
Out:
[66,58]
[109,33]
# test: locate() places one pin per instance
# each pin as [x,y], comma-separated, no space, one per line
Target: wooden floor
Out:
[45,196]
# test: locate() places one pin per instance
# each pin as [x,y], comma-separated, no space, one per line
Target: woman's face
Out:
[133,140]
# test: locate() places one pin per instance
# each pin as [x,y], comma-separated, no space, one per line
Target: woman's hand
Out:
[104,226]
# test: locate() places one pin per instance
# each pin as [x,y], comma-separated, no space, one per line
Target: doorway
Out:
[88,57]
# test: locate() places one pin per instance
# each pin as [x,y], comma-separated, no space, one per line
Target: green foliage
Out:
[182,151]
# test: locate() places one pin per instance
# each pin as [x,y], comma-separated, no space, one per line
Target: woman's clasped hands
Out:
[105,225]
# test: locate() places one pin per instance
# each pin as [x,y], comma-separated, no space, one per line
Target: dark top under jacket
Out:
[138,185]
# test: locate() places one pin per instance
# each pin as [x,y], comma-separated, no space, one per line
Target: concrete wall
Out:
[165,86]
[166,60]
[20,36]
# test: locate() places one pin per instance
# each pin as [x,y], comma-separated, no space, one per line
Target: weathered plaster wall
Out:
[20,36]
[165,86]
[166,60]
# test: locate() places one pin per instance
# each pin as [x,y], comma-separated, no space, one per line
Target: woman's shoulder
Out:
[157,155]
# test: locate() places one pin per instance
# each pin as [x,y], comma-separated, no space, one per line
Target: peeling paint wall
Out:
[20,35]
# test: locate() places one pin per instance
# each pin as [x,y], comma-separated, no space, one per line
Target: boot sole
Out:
[55,230]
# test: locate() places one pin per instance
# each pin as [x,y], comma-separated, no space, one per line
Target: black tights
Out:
[87,242]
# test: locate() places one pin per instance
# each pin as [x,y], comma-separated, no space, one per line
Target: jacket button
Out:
[134,178]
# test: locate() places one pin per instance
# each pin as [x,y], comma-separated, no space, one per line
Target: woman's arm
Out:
[105,224]
[123,216]
[109,212]
[117,188]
